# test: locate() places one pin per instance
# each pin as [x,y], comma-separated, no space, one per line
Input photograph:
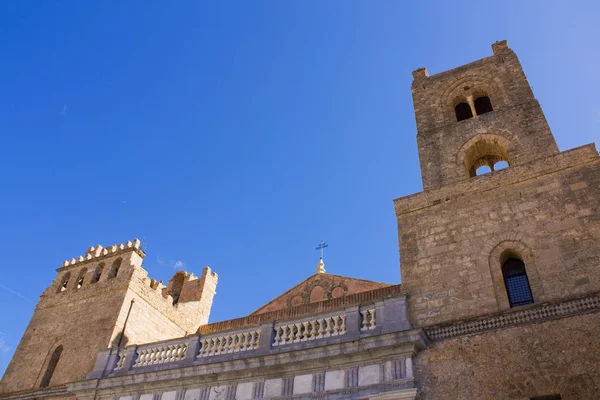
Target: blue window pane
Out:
[519,292]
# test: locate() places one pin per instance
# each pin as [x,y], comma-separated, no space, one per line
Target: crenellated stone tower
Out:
[102,300]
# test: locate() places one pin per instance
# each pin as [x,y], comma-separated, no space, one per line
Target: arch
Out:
[317,294]
[511,246]
[51,367]
[463,111]
[64,282]
[484,149]
[97,273]
[516,281]
[81,278]
[337,292]
[176,285]
[114,270]
[483,105]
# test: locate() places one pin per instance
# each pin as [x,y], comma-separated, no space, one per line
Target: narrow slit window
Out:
[114,271]
[51,366]
[517,283]
[81,278]
[97,273]
[64,283]
[463,111]
[483,105]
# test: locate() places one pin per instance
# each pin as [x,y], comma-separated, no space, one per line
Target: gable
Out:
[319,287]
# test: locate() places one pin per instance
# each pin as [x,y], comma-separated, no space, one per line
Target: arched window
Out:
[463,111]
[81,278]
[483,105]
[64,282]
[485,153]
[516,282]
[51,366]
[115,268]
[97,273]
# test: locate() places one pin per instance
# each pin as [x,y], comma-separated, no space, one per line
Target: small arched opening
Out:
[81,278]
[516,281]
[51,366]
[114,270]
[64,282]
[463,111]
[483,105]
[484,156]
[97,273]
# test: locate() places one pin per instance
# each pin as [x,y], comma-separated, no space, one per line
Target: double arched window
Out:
[464,110]
[516,282]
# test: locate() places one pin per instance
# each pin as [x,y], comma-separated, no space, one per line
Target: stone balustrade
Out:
[368,319]
[311,329]
[234,342]
[164,353]
[348,324]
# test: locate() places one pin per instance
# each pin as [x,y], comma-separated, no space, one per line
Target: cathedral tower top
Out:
[477,115]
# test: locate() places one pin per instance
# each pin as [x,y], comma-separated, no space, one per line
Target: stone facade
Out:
[459,327]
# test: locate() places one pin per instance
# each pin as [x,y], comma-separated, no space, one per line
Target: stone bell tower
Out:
[102,300]
[475,115]
[529,233]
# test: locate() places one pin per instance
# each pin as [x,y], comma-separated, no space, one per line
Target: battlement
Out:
[97,252]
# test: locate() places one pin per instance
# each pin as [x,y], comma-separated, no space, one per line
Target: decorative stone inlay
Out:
[540,313]
[310,330]
[232,343]
[369,320]
[162,354]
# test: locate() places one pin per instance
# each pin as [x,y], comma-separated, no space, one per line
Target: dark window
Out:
[81,278]
[463,111]
[97,273]
[115,268]
[51,366]
[65,282]
[516,282]
[547,397]
[483,105]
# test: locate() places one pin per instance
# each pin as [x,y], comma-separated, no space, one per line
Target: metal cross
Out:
[322,245]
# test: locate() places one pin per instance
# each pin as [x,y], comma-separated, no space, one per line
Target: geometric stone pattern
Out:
[541,313]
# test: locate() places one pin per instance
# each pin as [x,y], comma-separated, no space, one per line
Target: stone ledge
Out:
[531,314]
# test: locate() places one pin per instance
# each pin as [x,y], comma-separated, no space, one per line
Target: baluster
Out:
[303,331]
[297,332]
[343,324]
[335,326]
[277,336]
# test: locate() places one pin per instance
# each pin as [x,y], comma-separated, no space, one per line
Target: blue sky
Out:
[240,134]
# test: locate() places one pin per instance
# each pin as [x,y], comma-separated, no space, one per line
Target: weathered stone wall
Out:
[451,238]
[554,357]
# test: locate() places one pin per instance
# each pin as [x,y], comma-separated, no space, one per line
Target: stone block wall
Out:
[451,238]
[553,357]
